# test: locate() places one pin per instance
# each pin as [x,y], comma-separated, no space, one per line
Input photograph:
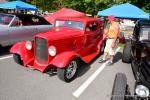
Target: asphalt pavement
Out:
[94,82]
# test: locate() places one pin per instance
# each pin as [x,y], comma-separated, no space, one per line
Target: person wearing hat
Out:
[111,33]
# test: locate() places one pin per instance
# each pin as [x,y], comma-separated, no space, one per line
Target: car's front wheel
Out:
[69,73]
[17,59]
[119,87]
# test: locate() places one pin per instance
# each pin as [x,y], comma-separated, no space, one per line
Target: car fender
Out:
[63,59]
[18,48]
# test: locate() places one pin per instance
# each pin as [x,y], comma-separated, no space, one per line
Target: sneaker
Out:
[102,60]
[109,63]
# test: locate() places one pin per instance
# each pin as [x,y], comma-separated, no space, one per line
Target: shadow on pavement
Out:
[117,57]
[4,50]
[83,69]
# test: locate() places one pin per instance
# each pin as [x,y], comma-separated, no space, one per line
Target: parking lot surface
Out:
[94,81]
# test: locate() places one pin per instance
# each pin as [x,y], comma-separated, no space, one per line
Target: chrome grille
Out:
[41,51]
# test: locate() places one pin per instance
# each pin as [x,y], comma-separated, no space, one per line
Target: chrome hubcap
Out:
[71,70]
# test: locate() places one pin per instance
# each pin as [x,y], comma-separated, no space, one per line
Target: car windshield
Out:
[68,23]
[5,19]
[145,34]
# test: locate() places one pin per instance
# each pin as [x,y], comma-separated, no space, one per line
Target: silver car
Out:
[20,27]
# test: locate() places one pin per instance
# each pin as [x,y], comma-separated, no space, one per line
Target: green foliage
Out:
[87,6]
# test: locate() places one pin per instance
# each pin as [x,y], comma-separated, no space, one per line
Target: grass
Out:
[121,45]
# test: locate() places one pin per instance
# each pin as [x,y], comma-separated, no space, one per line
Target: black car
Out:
[136,52]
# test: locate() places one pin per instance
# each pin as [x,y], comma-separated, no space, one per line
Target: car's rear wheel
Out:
[102,47]
[68,73]
[17,59]
[119,87]
[126,57]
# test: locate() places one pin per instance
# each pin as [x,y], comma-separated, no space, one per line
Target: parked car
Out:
[62,48]
[137,52]
[19,27]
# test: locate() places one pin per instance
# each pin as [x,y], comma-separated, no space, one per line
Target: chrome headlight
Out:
[28,45]
[142,91]
[52,50]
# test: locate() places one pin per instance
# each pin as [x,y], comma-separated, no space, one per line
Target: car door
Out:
[91,33]
[4,36]
[22,33]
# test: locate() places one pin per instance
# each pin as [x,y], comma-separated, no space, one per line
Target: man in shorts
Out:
[111,33]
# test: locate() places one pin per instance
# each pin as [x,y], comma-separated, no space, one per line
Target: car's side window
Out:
[92,26]
[144,34]
[16,22]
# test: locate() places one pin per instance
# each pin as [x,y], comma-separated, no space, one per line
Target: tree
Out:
[87,6]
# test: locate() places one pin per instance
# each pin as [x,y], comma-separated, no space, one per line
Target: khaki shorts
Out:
[108,47]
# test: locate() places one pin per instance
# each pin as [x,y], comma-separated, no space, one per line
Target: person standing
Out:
[111,33]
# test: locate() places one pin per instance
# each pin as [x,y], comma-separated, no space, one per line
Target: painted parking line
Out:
[81,89]
[6,57]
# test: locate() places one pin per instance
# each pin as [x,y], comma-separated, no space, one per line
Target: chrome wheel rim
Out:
[71,70]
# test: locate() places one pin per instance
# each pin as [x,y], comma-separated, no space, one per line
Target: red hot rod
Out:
[63,47]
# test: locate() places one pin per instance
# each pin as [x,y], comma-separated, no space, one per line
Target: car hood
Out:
[60,33]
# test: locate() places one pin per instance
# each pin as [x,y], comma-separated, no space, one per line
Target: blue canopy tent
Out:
[17,5]
[125,11]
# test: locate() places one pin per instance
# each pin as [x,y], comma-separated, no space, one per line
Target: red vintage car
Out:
[62,48]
